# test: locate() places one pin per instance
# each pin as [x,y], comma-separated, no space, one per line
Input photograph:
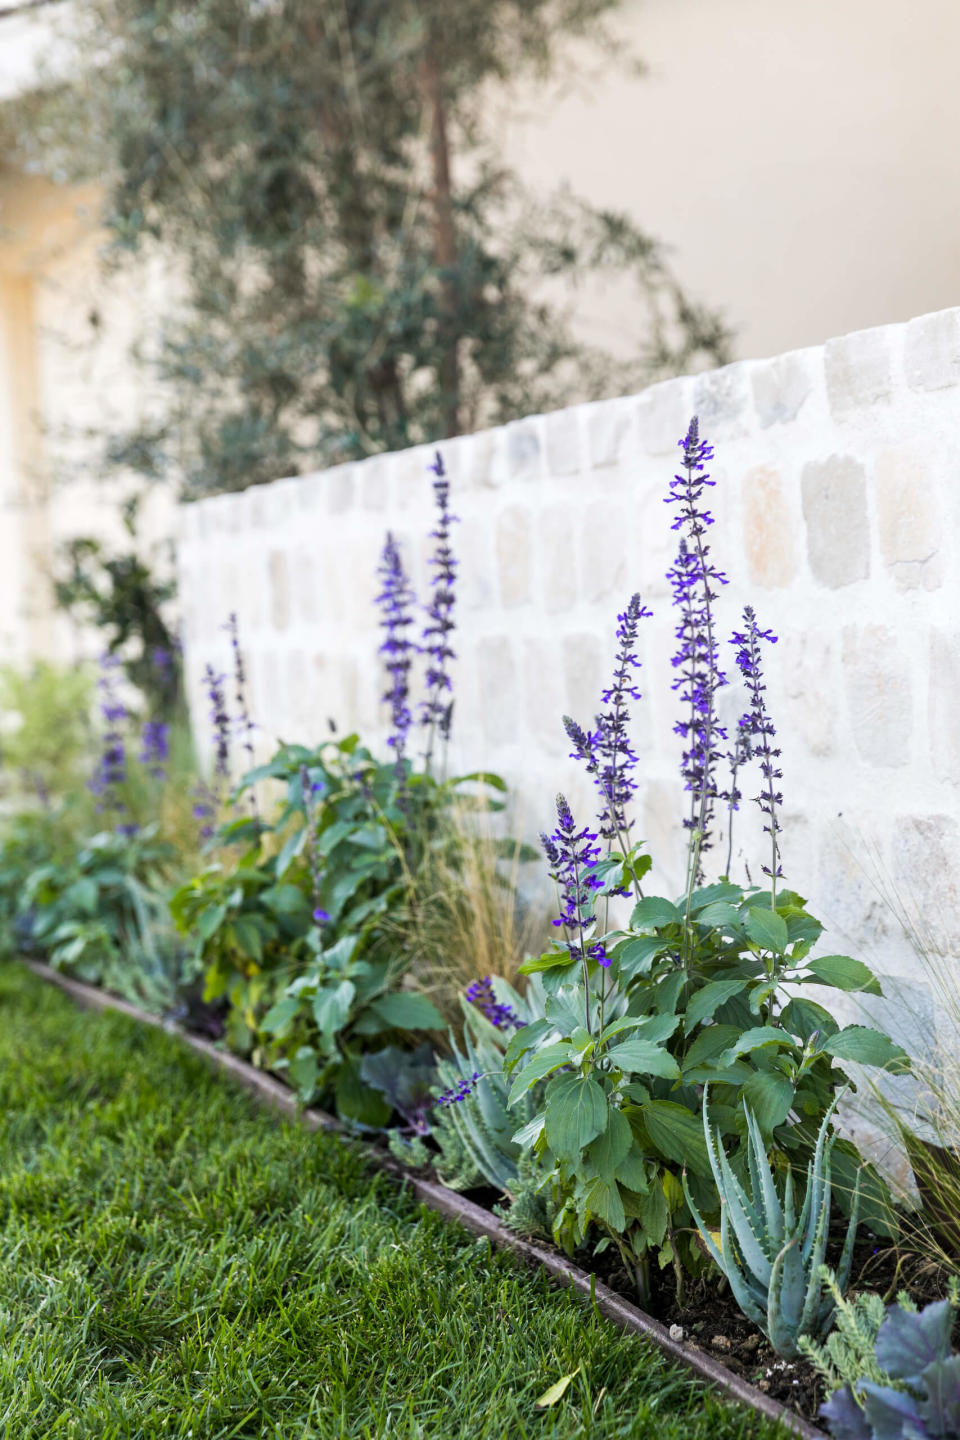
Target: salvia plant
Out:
[771,1248]
[909,1387]
[705,988]
[307,934]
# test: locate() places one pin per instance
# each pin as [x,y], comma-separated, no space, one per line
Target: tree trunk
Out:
[444,238]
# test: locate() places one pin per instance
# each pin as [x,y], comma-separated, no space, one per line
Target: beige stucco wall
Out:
[66,382]
[800,158]
[838,517]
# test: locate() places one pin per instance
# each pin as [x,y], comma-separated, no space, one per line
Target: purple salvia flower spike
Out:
[244,725]
[615,757]
[693,578]
[396,601]
[111,771]
[500,1015]
[309,791]
[155,747]
[436,711]
[756,724]
[573,857]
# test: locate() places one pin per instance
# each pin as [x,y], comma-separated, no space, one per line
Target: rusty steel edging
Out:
[473,1217]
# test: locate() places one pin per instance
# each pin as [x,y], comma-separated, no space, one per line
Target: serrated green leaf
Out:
[644,1057]
[677,1134]
[756,1038]
[703,1004]
[718,893]
[842,972]
[607,1153]
[866,1046]
[654,911]
[603,1200]
[770,1096]
[528,1135]
[209,920]
[767,929]
[543,1063]
[721,916]
[279,1016]
[406,1010]
[577,1112]
[636,956]
[331,1007]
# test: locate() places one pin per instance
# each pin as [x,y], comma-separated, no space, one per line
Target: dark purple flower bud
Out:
[396,601]
[321,917]
[693,578]
[436,711]
[758,730]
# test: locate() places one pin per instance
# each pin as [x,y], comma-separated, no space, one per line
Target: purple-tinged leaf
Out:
[844,1416]
[908,1343]
[941,1409]
[891,1414]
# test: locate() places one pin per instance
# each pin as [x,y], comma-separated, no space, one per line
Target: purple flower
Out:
[155,747]
[693,578]
[758,730]
[573,857]
[606,751]
[244,725]
[500,1015]
[111,770]
[309,790]
[459,1092]
[396,601]
[206,804]
[220,721]
[436,711]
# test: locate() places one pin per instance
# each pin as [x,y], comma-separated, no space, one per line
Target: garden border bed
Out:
[274,1094]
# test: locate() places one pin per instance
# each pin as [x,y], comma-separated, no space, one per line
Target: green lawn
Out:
[174,1262]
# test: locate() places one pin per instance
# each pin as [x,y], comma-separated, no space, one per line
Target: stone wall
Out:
[838,514]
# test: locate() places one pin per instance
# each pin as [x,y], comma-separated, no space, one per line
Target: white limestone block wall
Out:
[837,503]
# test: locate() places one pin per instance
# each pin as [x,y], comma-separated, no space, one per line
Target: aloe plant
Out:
[480,1129]
[770,1254]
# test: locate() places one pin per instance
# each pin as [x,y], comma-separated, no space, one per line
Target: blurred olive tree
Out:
[360,271]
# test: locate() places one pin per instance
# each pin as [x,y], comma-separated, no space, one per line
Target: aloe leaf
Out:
[767,1193]
[846,1257]
[744,1294]
[782,1335]
[746,1223]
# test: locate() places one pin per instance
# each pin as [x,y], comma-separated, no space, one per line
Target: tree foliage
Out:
[359,272]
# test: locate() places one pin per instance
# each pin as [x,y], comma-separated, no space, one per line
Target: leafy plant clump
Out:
[704,989]
[320,928]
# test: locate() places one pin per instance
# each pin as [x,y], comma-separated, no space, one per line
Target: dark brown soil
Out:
[711,1320]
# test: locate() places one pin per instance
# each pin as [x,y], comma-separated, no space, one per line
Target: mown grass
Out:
[174,1262]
